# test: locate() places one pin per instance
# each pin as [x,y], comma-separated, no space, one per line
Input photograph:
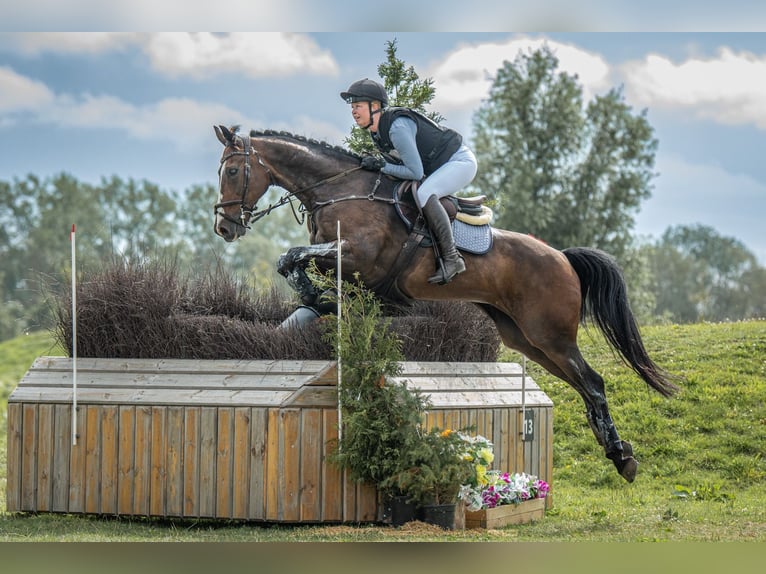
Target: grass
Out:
[702,473]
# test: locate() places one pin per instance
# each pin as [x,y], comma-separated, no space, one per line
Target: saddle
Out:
[469,210]
[469,216]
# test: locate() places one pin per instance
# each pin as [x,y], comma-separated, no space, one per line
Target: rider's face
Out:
[361,113]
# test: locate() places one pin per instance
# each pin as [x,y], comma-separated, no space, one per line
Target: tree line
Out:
[567,171]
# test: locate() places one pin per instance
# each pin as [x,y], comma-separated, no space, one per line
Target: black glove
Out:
[372,163]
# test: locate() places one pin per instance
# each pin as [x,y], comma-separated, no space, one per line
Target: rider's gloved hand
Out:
[372,163]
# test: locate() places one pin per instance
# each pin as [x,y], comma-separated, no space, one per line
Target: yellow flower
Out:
[487,455]
[445,433]
[481,475]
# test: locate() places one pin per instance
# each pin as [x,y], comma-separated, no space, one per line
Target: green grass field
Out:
[702,473]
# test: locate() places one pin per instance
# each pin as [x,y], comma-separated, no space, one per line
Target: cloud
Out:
[461,82]
[183,121]
[198,55]
[33,44]
[20,93]
[271,54]
[728,88]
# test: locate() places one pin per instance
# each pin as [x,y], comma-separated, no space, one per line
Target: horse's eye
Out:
[232,171]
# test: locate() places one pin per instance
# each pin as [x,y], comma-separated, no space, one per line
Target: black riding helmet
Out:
[365,90]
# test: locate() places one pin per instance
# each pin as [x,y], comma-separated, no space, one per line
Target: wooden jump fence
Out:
[242,440]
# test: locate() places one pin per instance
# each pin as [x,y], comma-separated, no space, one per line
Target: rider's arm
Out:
[402,133]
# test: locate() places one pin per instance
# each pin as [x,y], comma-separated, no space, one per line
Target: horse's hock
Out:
[234,439]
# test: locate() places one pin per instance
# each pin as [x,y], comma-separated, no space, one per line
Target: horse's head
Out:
[242,179]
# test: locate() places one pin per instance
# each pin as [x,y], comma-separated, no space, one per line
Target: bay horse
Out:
[536,295]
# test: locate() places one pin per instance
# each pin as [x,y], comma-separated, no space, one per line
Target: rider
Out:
[415,147]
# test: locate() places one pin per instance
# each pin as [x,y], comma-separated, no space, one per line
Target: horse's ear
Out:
[223,134]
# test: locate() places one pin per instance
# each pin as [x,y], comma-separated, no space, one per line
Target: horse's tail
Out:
[605,299]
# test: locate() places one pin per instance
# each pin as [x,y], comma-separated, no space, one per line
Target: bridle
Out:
[249,214]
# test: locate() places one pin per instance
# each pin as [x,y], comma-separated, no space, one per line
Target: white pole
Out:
[74,336]
[340,378]
[523,412]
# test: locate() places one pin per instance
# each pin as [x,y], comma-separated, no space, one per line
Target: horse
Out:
[537,296]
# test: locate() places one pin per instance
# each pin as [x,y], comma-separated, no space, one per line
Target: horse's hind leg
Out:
[590,385]
[569,366]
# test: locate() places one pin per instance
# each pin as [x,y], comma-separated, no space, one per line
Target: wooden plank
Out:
[85,364]
[165,380]
[191,467]
[154,397]
[349,498]
[241,470]
[14,457]
[158,475]
[126,458]
[109,462]
[332,478]
[93,459]
[501,516]
[62,446]
[258,431]
[44,455]
[77,463]
[224,463]
[471,384]
[29,457]
[290,453]
[273,468]
[207,461]
[142,476]
[367,503]
[310,465]
[312,396]
[450,369]
[174,462]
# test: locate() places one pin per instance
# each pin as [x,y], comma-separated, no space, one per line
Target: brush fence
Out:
[232,439]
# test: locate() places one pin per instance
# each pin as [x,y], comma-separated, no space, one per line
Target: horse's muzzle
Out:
[229,230]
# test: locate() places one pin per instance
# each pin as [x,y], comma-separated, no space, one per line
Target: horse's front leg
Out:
[292,266]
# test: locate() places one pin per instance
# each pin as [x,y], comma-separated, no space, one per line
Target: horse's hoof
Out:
[627,467]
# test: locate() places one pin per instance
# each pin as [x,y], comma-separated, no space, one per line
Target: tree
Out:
[404,88]
[699,274]
[566,173]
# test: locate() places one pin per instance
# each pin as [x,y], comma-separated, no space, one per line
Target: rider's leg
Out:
[438,222]
[448,179]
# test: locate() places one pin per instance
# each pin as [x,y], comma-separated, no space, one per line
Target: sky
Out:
[142,105]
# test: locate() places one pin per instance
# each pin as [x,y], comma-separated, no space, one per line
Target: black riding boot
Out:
[451,262]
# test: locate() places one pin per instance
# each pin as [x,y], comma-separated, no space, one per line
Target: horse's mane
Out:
[321,145]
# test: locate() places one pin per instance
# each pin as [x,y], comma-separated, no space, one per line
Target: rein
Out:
[248,215]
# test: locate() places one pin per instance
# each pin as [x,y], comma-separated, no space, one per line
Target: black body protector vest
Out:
[436,144]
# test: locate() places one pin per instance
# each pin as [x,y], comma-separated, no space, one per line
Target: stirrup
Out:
[440,277]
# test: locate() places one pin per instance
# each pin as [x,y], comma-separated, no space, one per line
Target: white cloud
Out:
[71,42]
[198,55]
[21,93]
[463,78]
[728,88]
[185,122]
[271,54]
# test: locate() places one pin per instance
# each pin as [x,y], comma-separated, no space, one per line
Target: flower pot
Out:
[440,515]
[402,510]
[500,516]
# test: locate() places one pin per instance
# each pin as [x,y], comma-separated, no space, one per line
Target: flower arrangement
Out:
[491,488]
[500,488]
